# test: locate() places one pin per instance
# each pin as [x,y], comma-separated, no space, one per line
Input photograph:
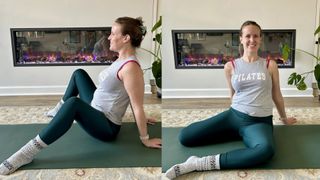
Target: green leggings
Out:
[93,121]
[256,133]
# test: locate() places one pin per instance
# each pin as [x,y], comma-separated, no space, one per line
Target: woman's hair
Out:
[247,23]
[134,28]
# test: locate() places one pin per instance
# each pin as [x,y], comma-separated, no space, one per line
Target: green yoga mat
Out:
[77,149]
[297,147]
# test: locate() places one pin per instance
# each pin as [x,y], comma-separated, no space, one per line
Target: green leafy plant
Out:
[297,79]
[156,65]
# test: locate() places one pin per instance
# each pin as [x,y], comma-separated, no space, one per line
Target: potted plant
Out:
[297,79]
[156,65]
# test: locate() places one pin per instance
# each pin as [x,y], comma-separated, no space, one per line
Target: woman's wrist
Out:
[146,137]
[282,118]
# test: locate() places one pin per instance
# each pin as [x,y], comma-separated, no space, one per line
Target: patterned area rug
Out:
[35,114]
[184,117]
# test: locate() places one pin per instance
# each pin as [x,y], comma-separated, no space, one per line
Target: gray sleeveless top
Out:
[110,96]
[253,88]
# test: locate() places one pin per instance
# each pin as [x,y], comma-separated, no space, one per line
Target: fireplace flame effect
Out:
[213,60]
[34,58]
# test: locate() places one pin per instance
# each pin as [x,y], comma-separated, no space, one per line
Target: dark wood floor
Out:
[52,100]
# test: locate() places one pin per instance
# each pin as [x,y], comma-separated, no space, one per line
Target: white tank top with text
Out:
[253,88]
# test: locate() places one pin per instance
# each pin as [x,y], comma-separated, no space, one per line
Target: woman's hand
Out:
[151,121]
[152,143]
[289,121]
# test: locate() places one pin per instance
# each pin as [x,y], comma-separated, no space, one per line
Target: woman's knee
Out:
[72,101]
[185,138]
[268,151]
[79,72]
[264,152]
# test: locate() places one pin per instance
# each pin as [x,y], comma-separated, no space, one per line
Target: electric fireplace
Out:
[61,46]
[214,48]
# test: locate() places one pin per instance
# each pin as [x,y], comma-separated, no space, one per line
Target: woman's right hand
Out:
[289,120]
[152,143]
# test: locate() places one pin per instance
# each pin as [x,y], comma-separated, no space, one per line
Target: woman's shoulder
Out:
[130,65]
[123,62]
[272,64]
[229,66]
[129,68]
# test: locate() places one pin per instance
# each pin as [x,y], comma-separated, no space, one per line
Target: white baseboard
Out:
[42,90]
[293,92]
[223,93]
[31,90]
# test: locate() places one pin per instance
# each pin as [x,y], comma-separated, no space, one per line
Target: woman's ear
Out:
[240,40]
[127,38]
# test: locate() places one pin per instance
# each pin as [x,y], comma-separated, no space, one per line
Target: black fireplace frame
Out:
[234,41]
[55,30]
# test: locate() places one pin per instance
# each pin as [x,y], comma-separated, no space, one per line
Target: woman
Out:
[98,110]
[254,83]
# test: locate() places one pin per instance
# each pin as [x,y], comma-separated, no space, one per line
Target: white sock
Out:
[208,163]
[23,156]
[194,163]
[54,111]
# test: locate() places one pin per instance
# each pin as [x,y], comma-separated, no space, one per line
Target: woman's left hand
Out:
[289,120]
[151,121]
[152,143]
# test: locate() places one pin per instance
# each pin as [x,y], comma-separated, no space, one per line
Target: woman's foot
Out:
[53,112]
[194,163]
[22,157]
[179,169]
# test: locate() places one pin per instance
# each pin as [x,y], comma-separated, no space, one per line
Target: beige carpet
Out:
[35,114]
[183,117]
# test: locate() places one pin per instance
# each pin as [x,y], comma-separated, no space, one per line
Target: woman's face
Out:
[117,40]
[251,38]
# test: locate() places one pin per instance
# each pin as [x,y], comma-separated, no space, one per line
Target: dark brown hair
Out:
[134,28]
[247,23]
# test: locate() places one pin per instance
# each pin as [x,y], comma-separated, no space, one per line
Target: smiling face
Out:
[251,38]
[117,40]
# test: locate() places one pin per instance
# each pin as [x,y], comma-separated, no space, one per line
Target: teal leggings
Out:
[256,133]
[94,122]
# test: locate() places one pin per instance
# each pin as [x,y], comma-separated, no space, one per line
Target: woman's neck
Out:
[250,57]
[125,53]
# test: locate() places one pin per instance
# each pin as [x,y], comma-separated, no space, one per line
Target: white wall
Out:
[230,14]
[61,13]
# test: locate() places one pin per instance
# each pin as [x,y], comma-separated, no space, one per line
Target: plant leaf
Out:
[292,78]
[156,71]
[285,51]
[317,30]
[158,82]
[159,38]
[302,85]
[157,25]
[298,79]
[156,68]
[317,72]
